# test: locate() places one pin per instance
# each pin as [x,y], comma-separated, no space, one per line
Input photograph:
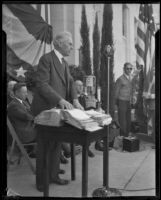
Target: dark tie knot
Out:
[26,105]
[63,60]
[63,63]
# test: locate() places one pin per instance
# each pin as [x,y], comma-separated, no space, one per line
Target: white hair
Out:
[61,37]
[10,85]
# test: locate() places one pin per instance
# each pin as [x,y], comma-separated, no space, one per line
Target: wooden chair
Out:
[21,146]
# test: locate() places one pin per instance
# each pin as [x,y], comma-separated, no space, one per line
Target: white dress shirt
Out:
[19,100]
[59,55]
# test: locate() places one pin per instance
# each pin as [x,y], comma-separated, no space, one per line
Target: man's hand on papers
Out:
[65,104]
[76,104]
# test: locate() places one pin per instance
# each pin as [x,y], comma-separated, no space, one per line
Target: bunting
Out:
[29,36]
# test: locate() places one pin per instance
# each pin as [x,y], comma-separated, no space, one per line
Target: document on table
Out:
[80,119]
[101,118]
[50,117]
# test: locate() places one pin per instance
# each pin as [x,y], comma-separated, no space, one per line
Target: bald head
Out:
[79,86]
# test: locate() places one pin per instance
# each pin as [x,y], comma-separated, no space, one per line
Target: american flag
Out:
[146,56]
[146,45]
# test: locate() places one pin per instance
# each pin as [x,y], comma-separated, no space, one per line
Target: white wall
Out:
[68,17]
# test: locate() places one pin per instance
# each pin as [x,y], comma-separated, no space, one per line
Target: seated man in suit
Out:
[10,94]
[81,98]
[20,115]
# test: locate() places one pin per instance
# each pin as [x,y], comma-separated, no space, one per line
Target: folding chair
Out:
[21,146]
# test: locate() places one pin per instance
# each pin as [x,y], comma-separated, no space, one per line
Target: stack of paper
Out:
[101,118]
[51,117]
[80,119]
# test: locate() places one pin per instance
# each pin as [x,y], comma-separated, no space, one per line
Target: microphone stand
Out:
[105,191]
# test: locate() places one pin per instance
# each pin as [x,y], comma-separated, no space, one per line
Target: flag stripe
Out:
[140,51]
[18,37]
[29,15]
[141,34]
[146,42]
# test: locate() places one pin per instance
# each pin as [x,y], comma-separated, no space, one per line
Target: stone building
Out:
[125,19]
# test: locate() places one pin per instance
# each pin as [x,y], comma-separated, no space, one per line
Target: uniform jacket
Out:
[22,120]
[123,88]
[52,84]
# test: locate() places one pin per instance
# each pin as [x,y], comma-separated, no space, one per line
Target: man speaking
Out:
[54,88]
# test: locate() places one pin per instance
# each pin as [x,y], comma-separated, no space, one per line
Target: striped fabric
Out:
[146,57]
[29,37]
[146,45]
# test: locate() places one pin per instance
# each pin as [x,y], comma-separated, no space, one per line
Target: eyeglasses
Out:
[129,68]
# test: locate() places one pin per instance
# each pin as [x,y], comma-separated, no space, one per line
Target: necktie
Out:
[26,105]
[63,63]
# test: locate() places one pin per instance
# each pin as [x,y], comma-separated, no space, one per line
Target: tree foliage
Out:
[84,31]
[96,51]
[107,39]
[76,72]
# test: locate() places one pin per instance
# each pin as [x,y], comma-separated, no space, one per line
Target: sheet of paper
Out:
[78,114]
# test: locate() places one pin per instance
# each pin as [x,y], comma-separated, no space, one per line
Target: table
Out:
[84,138]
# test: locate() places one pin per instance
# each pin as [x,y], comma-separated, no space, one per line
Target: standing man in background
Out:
[54,88]
[123,95]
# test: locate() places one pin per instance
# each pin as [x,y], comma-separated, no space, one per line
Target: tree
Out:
[76,72]
[84,31]
[107,39]
[96,51]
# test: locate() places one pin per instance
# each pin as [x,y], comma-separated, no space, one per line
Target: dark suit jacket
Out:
[22,120]
[52,84]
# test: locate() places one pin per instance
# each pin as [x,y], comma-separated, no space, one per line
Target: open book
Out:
[80,119]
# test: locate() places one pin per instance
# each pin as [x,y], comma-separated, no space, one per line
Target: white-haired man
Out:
[10,94]
[54,88]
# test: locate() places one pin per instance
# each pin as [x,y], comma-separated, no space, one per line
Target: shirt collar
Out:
[19,100]
[128,77]
[59,55]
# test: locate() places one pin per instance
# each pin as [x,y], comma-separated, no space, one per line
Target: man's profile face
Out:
[79,87]
[22,93]
[10,87]
[128,69]
[66,46]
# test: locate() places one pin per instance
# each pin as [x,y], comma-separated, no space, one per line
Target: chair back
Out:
[20,144]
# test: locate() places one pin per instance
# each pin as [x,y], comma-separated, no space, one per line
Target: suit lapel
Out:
[18,102]
[22,105]
[58,67]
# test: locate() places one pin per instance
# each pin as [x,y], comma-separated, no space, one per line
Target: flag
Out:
[146,44]
[146,57]
[29,37]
